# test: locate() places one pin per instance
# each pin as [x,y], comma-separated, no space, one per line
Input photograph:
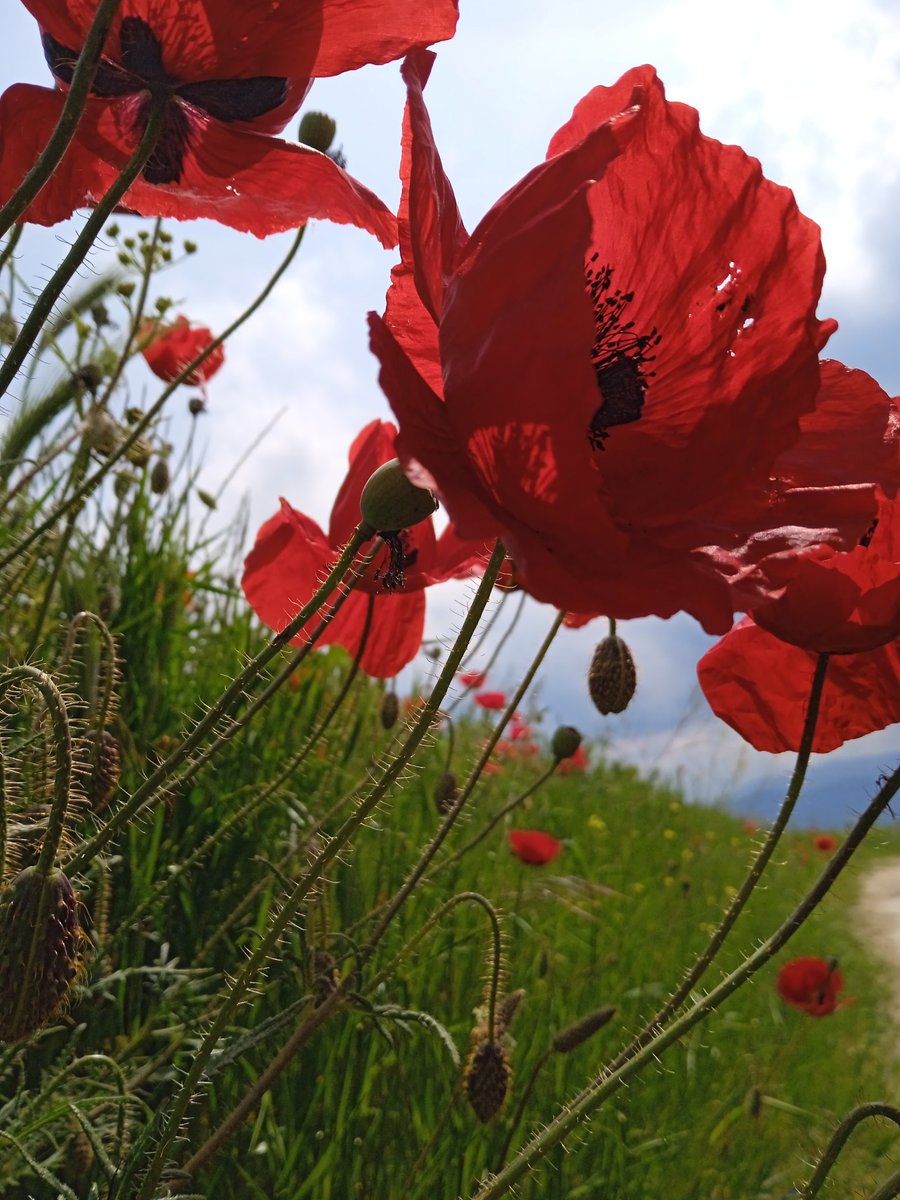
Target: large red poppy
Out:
[607,371]
[291,552]
[759,685]
[811,984]
[231,73]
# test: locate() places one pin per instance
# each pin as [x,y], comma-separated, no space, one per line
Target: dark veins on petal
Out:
[141,70]
[619,355]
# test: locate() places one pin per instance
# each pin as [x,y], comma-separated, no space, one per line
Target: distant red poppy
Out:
[519,731]
[491,700]
[472,679]
[574,764]
[811,984]
[759,686]
[668,291]
[825,842]
[231,74]
[170,347]
[533,847]
[286,565]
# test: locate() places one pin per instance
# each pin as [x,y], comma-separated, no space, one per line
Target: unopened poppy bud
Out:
[445,793]
[207,498]
[160,477]
[579,1031]
[508,1007]
[317,129]
[612,677]
[196,406]
[487,1079]
[565,742]
[123,482]
[390,710]
[139,452]
[9,329]
[103,760]
[101,431]
[126,290]
[389,501]
[90,376]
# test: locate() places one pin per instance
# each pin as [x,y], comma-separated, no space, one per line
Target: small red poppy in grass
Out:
[811,984]
[230,75]
[825,842]
[168,349]
[291,554]
[668,291]
[533,847]
[490,700]
[473,679]
[519,731]
[759,685]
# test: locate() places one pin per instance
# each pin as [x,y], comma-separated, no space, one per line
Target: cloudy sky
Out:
[811,90]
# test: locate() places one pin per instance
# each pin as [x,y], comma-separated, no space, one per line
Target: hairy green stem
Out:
[74,106]
[889,1190]
[608,1082]
[829,1156]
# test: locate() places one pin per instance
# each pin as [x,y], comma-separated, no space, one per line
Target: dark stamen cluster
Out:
[619,355]
[401,557]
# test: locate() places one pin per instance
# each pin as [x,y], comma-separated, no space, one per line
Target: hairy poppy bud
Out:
[9,330]
[579,1031]
[612,677]
[389,501]
[160,477]
[139,452]
[102,431]
[317,129]
[390,710]
[565,742]
[196,406]
[508,1007]
[40,951]
[445,793]
[104,763]
[487,1079]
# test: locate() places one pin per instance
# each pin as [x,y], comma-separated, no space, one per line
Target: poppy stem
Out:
[164,772]
[889,1190]
[609,1081]
[75,104]
[391,770]
[91,482]
[757,867]
[43,305]
[839,1137]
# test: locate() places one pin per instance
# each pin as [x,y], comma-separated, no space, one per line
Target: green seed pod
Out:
[139,452]
[317,130]
[579,1031]
[102,431]
[389,502]
[160,477]
[40,951]
[487,1079]
[9,329]
[390,710]
[612,677]
[565,742]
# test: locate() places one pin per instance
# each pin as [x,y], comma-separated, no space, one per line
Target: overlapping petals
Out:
[611,372]
[760,685]
[286,565]
[169,348]
[229,76]
[534,847]
[811,984]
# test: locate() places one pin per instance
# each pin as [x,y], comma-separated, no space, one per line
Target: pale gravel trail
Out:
[879,912]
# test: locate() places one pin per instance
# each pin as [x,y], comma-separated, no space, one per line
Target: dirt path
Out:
[879,909]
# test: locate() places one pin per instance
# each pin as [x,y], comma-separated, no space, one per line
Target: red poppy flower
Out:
[811,984]
[170,348]
[231,74]
[491,700]
[825,842]
[291,551]
[759,686]
[472,679]
[667,291]
[575,763]
[533,847]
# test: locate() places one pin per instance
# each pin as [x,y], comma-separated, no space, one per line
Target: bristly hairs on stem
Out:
[838,1139]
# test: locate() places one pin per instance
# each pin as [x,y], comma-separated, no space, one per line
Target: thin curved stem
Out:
[74,106]
[830,1154]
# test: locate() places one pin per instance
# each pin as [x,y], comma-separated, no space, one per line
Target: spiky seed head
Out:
[487,1079]
[104,765]
[565,742]
[390,710]
[445,793]
[612,677]
[41,942]
[579,1031]
[389,502]
[317,129]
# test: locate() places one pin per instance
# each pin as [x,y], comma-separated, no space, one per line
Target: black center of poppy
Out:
[619,354]
[400,557]
[140,69]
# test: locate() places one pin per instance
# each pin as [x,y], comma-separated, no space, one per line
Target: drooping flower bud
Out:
[612,677]
[487,1079]
[565,742]
[445,793]
[390,710]
[317,129]
[40,951]
[579,1031]
[389,502]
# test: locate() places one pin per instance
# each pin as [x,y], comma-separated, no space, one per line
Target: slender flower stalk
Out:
[608,1082]
[838,1139]
[76,100]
